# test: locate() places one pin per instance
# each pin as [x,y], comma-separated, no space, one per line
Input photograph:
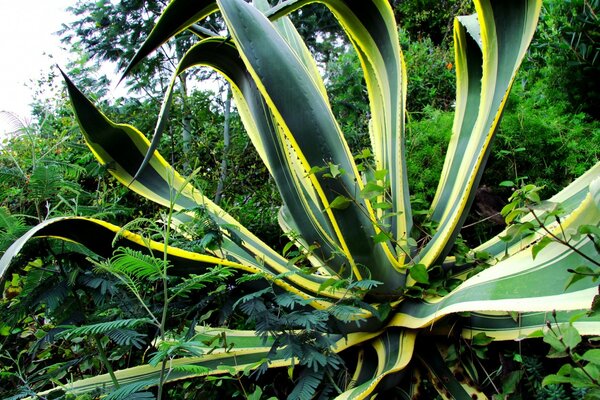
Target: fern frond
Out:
[251,277]
[252,296]
[307,320]
[136,264]
[290,300]
[170,349]
[102,328]
[141,224]
[11,228]
[194,282]
[127,337]
[55,295]
[20,394]
[71,171]
[46,181]
[366,284]
[105,286]
[307,385]
[345,312]
[132,391]
[192,369]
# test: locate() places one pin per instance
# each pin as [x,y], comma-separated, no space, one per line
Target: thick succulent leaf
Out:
[178,16]
[296,190]
[488,54]
[313,134]
[121,148]
[371,27]
[520,283]
[514,326]
[442,378]
[373,256]
[218,362]
[161,32]
[288,32]
[570,198]
[98,236]
[245,351]
[387,354]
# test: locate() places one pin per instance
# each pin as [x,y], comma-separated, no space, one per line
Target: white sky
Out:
[27,40]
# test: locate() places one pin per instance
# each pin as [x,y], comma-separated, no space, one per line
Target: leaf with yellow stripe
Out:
[160,183]
[489,48]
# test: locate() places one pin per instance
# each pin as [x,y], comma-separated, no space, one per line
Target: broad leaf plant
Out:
[350,216]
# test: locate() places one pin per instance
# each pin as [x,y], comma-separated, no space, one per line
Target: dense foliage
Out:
[71,314]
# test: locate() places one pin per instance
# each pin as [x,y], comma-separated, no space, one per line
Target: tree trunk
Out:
[226,141]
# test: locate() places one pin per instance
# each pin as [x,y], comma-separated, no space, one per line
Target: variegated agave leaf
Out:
[283,104]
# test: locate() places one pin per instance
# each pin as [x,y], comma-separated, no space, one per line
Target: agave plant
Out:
[352,221]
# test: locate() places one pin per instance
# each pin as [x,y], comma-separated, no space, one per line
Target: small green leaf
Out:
[482,255]
[533,197]
[382,205]
[513,215]
[381,237]
[514,315]
[558,347]
[328,283]
[5,329]
[411,242]
[539,246]
[570,336]
[592,356]
[256,395]
[414,292]
[580,379]
[480,352]
[589,230]
[536,334]
[384,310]
[518,358]
[287,248]
[481,339]
[508,208]
[335,170]
[579,273]
[507,184]
[419,273]
[365,153]
[380,174]
[340,203]
[511,382]
[555,380]
[371,190]
[315,170]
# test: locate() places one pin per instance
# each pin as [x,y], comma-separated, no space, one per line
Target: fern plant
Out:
[394,291]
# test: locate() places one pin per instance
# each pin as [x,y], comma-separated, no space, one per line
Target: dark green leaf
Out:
[511,381]
[380,174]
[381,237]
[371,190]
[546,240]
[481,339]
[570,336]
[579,273]
[592,356]
[419,273]
[340,203]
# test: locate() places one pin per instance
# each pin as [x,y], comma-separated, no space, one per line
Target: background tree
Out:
[539,115]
